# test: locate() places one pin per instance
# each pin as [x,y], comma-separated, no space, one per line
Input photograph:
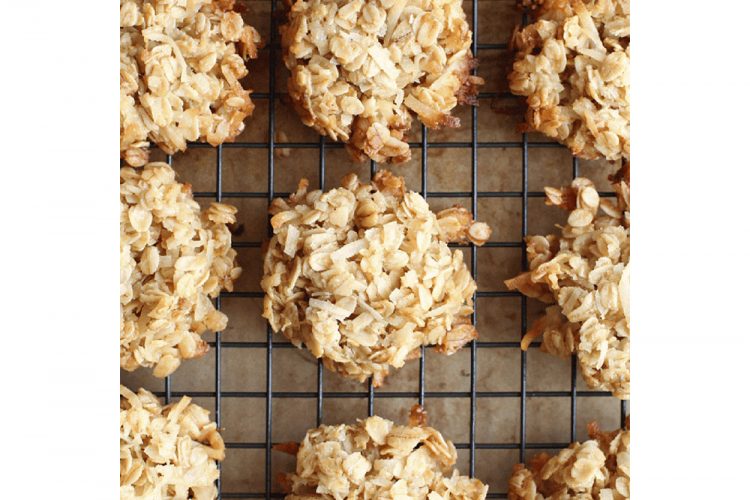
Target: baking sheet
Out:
[498,420]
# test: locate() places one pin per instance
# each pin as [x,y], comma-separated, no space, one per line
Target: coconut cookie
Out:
[167,452]
[180,68]
[376,458]
[596,469]
[362,275]
[173,260]
[585,273]
[362,68]
[573,67]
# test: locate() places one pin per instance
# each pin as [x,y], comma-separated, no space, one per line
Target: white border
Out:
[58,250]
[690,197]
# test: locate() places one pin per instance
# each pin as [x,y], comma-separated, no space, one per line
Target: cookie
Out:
[167,451]
[585,273]
[180,69]
[376,458]
[173,260]
[360,69]
[573,67]
[598,468]
[362,275]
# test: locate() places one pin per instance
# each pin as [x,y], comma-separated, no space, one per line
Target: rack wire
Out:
[370,393]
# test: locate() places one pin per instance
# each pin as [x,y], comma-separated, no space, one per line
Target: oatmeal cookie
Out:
[363,276]
[375,458]
[573,67]
[180,68]
[596,469]
[361,68]
[173,260]
[167,452]
[585,273]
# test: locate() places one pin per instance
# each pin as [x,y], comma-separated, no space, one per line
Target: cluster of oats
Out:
[173,261]
[375,458]
[585,273]
[573,67]
[598,468]
[360,68]
[166,452]
[363,275]
[181,62]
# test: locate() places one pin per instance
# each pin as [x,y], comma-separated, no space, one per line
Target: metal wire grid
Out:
[371,394]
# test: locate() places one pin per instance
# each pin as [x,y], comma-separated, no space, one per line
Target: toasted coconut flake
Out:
[180,66]
[167,452]
[371,278]
[585,273]
[173,261]
[375,458]
[573,67]
[598,468]
[361,68]
[456,224]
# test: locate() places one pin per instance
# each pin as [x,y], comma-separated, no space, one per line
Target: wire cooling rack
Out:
[265,349]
